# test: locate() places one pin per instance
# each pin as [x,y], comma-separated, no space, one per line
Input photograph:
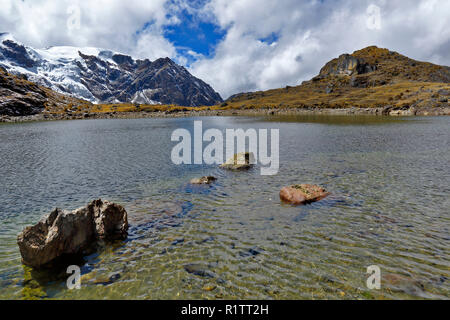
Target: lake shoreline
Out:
[386,111]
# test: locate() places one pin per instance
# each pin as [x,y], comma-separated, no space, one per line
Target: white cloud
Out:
[310,34]
[307,33]
[152,46]
[109,24]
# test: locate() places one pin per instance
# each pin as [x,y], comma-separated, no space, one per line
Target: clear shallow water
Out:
[390,207]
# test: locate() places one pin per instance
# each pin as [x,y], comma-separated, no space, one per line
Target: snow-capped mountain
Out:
[105,76]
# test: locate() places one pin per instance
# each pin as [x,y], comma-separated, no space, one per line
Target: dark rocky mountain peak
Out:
[105,76]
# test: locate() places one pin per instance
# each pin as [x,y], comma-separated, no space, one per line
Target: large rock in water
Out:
[302,194]
[240,161]
[63,233]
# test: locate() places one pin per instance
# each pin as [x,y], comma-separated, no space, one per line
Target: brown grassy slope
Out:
[59,102]
[398,81]
[129,107]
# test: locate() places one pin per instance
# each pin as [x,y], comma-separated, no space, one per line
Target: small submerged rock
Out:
[177,241]
[199,270]
[63,233]
[385,219]
[252,252]
[205,240]
[146,211]
[204,180]
[401,283]
[240,161]
[107,280]
[302,194]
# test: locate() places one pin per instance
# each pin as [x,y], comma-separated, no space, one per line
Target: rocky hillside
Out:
[371,77]
[20,97]
[103,76]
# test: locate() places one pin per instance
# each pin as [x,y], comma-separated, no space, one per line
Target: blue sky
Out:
[237,45]
[193,34]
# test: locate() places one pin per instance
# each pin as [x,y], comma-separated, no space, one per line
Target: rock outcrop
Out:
[240,161]
[303,194]
[64,233]
[20,97]
[347,65]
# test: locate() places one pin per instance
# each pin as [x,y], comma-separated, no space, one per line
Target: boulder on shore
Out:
[303,194]
[240,161]
[203,180]
[63,233]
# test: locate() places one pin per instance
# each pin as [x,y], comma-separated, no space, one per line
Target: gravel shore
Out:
[386,111]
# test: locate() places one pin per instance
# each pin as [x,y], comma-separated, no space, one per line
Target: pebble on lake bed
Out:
[403,283]
[209,287]
[198,270]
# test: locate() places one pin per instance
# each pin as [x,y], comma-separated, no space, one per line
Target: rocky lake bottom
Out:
[234,239]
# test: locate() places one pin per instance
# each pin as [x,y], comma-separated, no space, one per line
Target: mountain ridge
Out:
[105,76]
[373,80]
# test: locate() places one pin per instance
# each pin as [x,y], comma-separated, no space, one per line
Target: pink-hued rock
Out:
[71,232]
[302,194]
